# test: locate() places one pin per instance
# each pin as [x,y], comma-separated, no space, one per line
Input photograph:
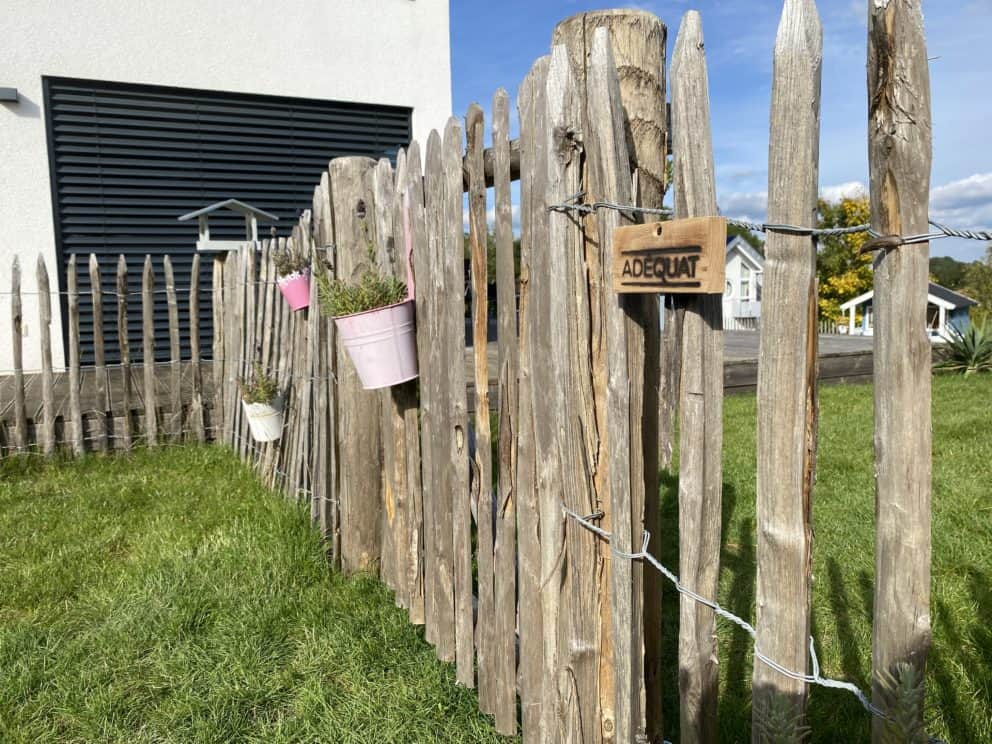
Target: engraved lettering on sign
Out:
[668,267]
[675,257]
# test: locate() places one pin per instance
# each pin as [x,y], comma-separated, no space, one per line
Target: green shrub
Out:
[260,387]
[967,352]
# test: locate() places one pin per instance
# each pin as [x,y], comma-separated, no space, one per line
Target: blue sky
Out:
[494,44]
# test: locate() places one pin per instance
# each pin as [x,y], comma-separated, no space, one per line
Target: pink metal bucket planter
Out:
[296,289]
[382,344]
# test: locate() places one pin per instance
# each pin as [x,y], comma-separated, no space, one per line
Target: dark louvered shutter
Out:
[127,160]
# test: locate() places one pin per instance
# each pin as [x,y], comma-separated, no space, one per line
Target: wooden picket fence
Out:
[529,604]
[104,407]
[467,517]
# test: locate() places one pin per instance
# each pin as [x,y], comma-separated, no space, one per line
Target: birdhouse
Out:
[250,213]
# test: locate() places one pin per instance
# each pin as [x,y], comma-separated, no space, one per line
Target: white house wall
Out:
[393,52]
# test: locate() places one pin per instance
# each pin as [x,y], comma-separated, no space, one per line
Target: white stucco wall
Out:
[393,52]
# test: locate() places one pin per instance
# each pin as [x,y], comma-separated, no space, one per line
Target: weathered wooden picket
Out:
[104,407]
[466,517]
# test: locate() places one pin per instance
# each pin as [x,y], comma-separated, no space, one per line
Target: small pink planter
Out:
[296,289]
[382,344]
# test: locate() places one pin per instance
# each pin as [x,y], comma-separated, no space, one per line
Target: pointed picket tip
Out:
[800,30]
[534,79]
[689,40]
[414,166]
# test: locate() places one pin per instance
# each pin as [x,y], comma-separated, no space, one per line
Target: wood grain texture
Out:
[504,647]
[682,256]
[125,348]
[482,471]
[787,369]
[418,470]
[532,107]
[358,425]
[148,353]
[701,401]
[45,326]
[381,185]
[638,40]
[72,312]
[456,432]
[219,414]
[196,422]
[175,370]
[547,337]
[438,535]
[103,407]
[17,356]
[565,475]
[609,179]
[900,155]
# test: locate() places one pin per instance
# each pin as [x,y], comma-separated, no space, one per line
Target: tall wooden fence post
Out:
[787,406]
[532,105]
[358,426]
[701,399]
[900,153]
[17,327]
[609,179]
[637,39]
[505,540]
[47,380]
[196,362]
[99,356]
[75,409]
[148,352]
[125,347]
[482,485]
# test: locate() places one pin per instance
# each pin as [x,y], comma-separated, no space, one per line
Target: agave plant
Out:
[967,351]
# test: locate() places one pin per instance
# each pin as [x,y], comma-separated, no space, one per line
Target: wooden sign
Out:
[675,257]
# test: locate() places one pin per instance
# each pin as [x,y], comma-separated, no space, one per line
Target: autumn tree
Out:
[978,286]
[844,272]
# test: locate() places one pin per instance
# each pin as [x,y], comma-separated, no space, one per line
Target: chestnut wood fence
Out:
[510,538]
[104,407]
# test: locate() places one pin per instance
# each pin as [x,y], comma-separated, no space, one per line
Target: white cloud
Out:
[849,190]
[973,193]
[744,202]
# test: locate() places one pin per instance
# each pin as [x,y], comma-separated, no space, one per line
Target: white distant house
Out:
[945,309]
[118,117]
[742,295]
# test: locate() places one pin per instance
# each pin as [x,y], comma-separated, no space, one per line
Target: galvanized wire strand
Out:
[814,679]
[572,204]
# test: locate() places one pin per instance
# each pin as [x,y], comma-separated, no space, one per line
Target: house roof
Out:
[234,205]
[936,295]
[736,242]
[950,296]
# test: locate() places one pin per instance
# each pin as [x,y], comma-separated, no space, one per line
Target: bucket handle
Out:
[408,242]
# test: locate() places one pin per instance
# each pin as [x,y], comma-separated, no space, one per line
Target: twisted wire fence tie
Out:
[814,679]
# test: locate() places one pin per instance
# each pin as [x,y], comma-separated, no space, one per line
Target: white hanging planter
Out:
[265,419]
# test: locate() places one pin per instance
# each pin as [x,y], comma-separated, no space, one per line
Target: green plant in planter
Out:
[968,352]
[289,261]
[260,387]
[338,298]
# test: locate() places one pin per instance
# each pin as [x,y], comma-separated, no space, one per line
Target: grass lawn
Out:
[167,597]
[959,679]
